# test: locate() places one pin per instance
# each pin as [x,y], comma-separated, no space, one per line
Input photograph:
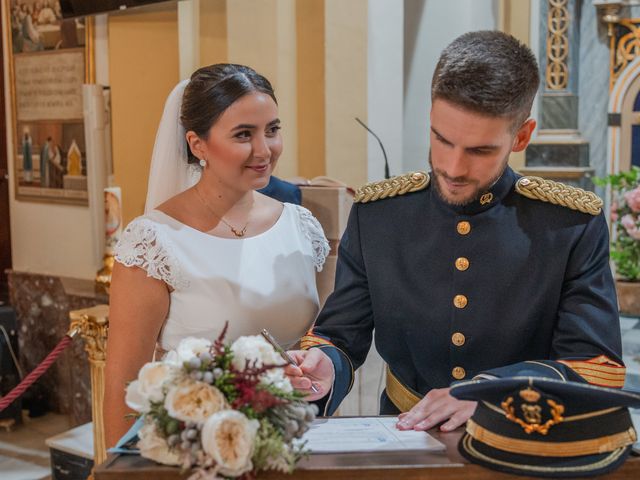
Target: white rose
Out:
[135,399]
[188,348]
[153,377]
[278,379]
[154,447]
[171,358]
[150,385]
[194,401]
[254,348]
[228,438]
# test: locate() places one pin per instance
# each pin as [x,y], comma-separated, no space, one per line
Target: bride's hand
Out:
[314,366]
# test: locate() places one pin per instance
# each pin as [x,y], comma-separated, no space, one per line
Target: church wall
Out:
[213,32]
[346,90]
[385,86]
[46,238]
[310,26]
[143,69]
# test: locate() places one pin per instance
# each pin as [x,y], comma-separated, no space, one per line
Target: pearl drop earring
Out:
[203,162]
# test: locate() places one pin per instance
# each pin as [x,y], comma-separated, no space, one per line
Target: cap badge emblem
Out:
[532,411]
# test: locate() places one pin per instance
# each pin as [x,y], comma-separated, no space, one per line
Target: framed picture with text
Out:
[50,59]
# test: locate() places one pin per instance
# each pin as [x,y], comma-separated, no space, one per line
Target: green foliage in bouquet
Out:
[220,409]
[625,217]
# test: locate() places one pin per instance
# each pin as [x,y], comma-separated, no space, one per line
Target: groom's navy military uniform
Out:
[452,291]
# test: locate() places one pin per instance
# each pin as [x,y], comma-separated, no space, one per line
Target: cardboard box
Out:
[331,206]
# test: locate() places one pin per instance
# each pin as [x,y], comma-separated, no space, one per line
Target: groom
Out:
[471,267]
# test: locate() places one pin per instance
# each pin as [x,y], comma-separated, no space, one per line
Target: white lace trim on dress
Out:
[139,246]
[313,231]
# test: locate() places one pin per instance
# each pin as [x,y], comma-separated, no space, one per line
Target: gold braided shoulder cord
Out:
[558,193]
[411,182]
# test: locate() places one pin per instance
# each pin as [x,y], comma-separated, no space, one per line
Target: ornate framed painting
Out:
[49,60]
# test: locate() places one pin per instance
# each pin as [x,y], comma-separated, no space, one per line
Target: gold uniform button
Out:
[458,339]
[463,227]
[458,373]
[460,301]
[462,263]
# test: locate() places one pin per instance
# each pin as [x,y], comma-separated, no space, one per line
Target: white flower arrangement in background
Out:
[219,409]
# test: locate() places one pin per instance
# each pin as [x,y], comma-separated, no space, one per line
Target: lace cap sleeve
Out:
[313,231]
[140,246]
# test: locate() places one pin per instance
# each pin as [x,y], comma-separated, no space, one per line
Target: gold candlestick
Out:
[113,229]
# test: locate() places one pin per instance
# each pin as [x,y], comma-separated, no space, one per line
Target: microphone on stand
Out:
[384,153]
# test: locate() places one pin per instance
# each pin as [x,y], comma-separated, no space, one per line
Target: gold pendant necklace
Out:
[234,231]
[237,232]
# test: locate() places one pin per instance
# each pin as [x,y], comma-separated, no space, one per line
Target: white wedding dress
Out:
[264,281]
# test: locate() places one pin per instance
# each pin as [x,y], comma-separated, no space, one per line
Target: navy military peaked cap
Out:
[547,427]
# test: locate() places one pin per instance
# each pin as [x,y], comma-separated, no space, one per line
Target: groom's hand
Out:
[437,406]
[314,366]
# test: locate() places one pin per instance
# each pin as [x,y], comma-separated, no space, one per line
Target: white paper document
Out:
[365,434]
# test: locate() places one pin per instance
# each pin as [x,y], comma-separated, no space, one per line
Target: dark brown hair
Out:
[488,72]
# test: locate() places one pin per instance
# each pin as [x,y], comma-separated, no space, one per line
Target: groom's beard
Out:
[439,177]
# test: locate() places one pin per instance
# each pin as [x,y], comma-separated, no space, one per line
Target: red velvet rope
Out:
[35,374]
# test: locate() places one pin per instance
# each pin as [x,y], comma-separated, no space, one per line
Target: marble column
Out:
[559,152]
[42,305]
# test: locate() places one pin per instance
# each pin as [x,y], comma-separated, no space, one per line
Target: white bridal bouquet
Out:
[220,409]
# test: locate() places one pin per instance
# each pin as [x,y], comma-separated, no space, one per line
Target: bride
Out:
[209,248]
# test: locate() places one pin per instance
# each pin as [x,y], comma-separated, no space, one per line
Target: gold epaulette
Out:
[394,186]
[559,194]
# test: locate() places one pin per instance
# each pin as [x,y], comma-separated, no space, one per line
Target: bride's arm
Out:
[137,309]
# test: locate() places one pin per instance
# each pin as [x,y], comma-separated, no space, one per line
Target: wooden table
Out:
[448,465]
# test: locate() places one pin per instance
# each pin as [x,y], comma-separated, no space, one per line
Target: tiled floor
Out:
[23,453]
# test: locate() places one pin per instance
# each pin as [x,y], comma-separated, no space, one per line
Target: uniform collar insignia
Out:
[486,198]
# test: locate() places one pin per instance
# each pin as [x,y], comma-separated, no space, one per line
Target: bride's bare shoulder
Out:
[177,207]
[269,208]
[264,201]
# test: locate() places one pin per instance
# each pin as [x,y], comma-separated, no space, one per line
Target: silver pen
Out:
[287,358]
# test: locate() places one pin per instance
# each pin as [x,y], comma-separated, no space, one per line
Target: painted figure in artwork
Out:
[74,159]
[45,155]
[27,157]
[56,168]
[32,40]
